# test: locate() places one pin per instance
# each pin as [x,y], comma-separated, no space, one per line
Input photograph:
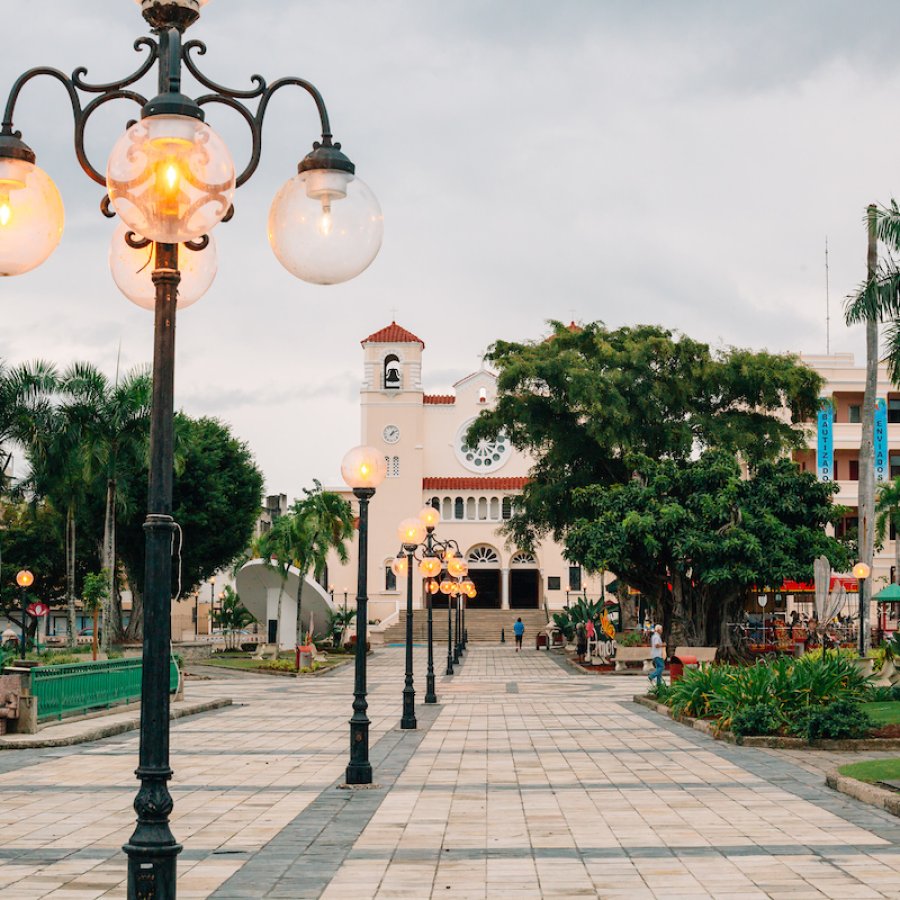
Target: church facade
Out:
[430,462]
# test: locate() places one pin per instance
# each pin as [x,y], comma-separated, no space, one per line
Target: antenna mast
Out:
[827,305]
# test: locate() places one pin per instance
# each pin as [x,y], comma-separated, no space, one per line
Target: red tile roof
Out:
[393,334]
[495,483]
[439,399]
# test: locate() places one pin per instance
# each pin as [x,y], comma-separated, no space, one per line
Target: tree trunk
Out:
[867,446]
[94,636]
[299,611]
[134,634]
[70,575]
[108,562]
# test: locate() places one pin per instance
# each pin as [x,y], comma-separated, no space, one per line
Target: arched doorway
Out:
[524,581]
[484,570]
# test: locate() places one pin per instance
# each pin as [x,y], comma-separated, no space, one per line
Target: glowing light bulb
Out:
[325,221]
[172,178]
[5,210]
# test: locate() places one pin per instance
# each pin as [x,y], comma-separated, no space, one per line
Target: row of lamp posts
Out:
[443,570]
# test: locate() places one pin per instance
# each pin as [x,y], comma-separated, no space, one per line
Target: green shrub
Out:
[834,721]
[884,694]
[760,719]
[281,665]
[629,639]
[786,685]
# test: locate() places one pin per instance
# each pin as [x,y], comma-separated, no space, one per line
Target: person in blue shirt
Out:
[518,631]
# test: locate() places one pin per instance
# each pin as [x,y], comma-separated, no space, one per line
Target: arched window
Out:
[483,555]
[495,509]
[392,372]
[507,508]
[470,508]
[435,503]
[482,508]
[390,579]
[447,509]
[523,558]
[458,508]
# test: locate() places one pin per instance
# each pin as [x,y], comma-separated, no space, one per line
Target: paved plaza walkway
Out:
[528,780]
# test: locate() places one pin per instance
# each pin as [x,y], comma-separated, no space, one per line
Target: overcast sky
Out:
[674,163]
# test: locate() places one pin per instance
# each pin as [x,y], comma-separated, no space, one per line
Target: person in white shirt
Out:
[657,654]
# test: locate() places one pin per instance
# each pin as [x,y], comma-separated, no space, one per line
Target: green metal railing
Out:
[79,687]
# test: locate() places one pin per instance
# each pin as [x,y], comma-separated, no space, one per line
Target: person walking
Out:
[657,654]
[518,631]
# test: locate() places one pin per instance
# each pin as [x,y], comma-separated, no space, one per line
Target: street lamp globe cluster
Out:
[171,180]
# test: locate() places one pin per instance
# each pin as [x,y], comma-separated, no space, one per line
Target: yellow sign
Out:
[606,626]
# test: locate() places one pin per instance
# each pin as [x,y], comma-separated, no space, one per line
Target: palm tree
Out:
[318,523]
[21,388]
[887,509]
[323,521]
[59,471]
[119,420]
[232,616]
[869,305]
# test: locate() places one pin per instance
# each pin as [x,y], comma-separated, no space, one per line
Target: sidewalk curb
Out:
[103,731]
[882,798]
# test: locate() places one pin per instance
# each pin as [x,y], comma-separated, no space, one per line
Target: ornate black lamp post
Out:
[171,180]
[24,579]
[420,544]
[363,469]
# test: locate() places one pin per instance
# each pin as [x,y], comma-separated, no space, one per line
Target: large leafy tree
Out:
[606,414]
[586,401]
[696,536]
[216,500]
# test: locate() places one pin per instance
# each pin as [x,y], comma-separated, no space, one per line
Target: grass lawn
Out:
[884,713]
[874,770]
[243,661]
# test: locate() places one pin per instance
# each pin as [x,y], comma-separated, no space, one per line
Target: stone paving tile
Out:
[528,780]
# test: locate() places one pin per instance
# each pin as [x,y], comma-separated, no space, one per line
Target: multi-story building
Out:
[429,461]
[844,387]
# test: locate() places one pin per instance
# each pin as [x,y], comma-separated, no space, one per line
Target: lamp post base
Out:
[152,871]
[430,696]
[408,720]
[359,773]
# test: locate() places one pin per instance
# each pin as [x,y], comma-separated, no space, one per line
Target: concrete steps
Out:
[482,625]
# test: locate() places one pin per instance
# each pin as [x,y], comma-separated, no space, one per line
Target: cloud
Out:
[634,162]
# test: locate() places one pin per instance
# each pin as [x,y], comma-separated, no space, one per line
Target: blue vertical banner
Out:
[825,443]
[882,466]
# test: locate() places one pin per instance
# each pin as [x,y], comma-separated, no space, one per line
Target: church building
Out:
[429,462]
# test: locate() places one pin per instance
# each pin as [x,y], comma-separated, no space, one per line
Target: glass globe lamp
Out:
[429,517]
[170,178]
[132,270]
[398,566]
[446,587]
[411,531]
[430,567]
[457,567]
[363,467]
[325,226]
[31,216]
[432,586]
[24,579]
[861,570]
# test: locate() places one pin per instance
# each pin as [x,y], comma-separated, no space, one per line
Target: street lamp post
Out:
[24,579]
[363,470]
[171,180]
[861,571]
